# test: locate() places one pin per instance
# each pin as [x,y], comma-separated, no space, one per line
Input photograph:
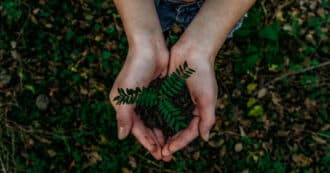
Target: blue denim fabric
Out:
[170,11]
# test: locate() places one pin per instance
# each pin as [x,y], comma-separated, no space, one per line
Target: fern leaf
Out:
[142,97]
[174,83]
[171,114]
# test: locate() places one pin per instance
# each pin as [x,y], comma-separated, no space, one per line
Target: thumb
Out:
[124,123]
[207,121]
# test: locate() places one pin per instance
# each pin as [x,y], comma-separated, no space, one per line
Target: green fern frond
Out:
[149,97]
[142,97]
[172,115]
[174,83]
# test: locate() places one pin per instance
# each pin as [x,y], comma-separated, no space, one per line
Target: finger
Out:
[207,120]
[174,137]
[167,158]
[157,153]
[165,150]
[172,67]
[160,136]
[186,136]
[124,122]
[196,112]
[143,135]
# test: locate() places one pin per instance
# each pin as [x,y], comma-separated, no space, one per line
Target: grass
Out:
[273,92]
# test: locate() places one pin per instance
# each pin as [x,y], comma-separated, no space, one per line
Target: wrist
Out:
[147,41]
[189,47]
[149,50]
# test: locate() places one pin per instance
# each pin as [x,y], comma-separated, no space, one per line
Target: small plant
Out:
[151,97]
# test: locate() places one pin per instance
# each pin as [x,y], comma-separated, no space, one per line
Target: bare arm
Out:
[140,20]
[213,22]
[198,46]
[146,60]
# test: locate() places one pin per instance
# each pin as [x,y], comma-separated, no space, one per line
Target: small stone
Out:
[42,102]
[238,147]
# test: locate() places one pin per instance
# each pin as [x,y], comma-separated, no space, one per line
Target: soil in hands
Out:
[152,118]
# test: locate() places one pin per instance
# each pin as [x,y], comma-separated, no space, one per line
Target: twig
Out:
[149,161]
[154,164]
[34,132]
[318,134]
[3,169]
[298,72]
[281,6]
[25,22]
[157,170]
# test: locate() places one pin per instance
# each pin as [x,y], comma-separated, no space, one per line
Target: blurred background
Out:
[59,59]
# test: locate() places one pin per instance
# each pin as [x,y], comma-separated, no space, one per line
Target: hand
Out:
[143,64]
[203,91]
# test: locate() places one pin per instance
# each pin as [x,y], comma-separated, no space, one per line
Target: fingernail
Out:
[170,148]
[206,136]
[121,133]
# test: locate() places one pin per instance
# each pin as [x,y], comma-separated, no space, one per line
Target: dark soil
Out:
[152,117]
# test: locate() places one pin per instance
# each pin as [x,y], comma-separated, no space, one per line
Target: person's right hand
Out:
[144,63]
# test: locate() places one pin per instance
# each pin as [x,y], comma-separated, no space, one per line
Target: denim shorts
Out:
[171,11]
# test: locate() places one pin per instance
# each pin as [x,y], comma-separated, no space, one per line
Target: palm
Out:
[139,70]
[203,91]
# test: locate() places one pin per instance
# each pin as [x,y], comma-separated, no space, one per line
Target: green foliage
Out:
[138,96]
[172,84]
[256,111]
[12,10]
[71,52]
[149,97]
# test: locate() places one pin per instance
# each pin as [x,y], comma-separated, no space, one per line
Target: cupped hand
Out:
[203,91]
[143,64]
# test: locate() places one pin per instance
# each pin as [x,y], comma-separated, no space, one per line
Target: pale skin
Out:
[148,58]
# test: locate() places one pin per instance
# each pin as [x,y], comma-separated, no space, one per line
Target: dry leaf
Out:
[132,161]
[126,170]
[242,132]
[319,140]
[196,155]
[301,160]
[94,157]
[262,92]
[216,144]
[51,153]
[238,147]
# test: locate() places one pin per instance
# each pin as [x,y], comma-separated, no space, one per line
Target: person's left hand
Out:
[203,91]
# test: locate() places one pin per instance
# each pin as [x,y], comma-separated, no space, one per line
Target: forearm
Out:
[215,20]
[140,20]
